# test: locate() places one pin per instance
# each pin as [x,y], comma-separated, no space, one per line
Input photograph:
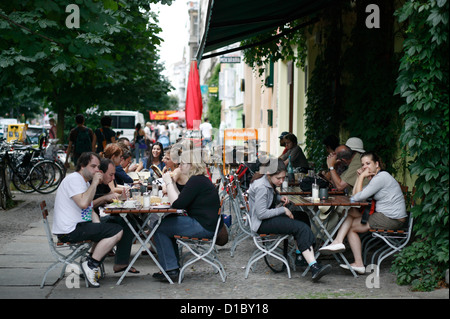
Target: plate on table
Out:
[161,206]
[114,205]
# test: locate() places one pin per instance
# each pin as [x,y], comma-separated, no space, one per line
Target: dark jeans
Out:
[123,247]
[284,225]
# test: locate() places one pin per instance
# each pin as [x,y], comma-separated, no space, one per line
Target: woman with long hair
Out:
[390,209]
[155,157]
[269,217]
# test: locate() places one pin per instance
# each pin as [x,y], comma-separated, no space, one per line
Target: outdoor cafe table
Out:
[296,190]
[147,212]
[313,211]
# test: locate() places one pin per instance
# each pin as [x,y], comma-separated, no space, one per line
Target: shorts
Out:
[381,221]
[90,231]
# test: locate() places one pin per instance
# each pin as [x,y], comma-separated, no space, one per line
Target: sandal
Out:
[132,270]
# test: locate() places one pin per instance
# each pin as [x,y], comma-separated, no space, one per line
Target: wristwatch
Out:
[331,168]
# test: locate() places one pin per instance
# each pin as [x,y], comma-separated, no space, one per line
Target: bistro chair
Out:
[201,249]
[387,241]
[239,205]
[267,246]
[64,253]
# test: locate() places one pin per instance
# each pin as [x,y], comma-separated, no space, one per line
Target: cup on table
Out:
[323,193]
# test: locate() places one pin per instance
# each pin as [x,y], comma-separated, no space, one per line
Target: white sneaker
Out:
[358,270]
[332,249]
[90,274]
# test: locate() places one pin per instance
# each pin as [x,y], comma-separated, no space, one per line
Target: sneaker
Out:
[332,249]
[90,274]
[319,271]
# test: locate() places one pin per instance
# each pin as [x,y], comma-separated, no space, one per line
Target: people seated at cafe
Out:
[269,215]
[200,199]
[155,157]
[121,176]
[127,162]
[390,209]
[349,155]
[295,152]
[331,142]
[114,152]
[283,142]
[173,168]
[74,217]
[104,195]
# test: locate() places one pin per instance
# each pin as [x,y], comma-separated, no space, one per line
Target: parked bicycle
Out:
[28,171]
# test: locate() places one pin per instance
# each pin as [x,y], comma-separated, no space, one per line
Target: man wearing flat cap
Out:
[350,155]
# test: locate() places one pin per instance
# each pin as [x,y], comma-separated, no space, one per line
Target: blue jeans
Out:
[166,244]
[139,153]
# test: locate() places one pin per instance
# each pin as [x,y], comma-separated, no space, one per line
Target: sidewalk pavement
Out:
[23,262]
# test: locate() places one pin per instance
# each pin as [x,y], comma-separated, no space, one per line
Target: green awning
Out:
[231,21]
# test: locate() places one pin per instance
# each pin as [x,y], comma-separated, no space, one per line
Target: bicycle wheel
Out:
[45,177]
[275,264]
[20,182]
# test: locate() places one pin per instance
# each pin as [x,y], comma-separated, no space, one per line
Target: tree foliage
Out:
[110,61]
[423,83]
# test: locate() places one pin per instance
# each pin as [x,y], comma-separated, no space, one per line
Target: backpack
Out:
[83,142]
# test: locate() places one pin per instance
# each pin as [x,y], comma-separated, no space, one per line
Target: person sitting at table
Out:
[114,152]
[350,155]
[155,157]
[295,152]
[201,201]
[74,219]
[390,209]
[127,162]
[268,217]
[283,142]
[173,168]
[104,195]
[331,142]
[122,177]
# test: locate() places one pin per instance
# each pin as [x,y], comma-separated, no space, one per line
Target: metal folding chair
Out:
[239,206]
[392,241]
[387,241]
[64,253]
[201,249]
[266,245]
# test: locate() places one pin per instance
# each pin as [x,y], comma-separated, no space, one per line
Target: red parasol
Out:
[194,105]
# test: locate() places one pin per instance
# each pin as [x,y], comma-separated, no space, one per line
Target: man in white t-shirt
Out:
[206,129]
[74,218]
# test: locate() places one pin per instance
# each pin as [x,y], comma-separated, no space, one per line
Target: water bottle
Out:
[290,171]
[315,190]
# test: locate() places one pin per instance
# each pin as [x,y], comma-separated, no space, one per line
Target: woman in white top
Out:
[390,209]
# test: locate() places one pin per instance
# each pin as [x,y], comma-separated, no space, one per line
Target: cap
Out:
[283,134]
[356,144]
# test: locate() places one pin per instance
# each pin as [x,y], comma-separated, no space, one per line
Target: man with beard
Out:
[74,219]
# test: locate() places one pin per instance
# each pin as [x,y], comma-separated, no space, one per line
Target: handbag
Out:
[222,235]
